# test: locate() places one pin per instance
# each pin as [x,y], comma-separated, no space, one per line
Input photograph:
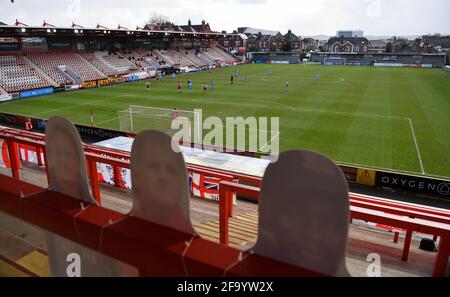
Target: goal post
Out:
[334,61]
[138,118]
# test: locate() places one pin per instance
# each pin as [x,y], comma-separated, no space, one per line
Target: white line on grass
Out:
[270,141]
[208,101]
[77,105]
[113,119]
[417,145]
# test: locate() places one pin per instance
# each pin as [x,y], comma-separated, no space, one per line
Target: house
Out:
[258,42]
[236,43]
[377,46]
[348,45]
[203,28]
[286,43]
[401,45]
[310,44]
[292,43]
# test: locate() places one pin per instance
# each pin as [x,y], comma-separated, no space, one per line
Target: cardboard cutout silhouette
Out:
[304,213]
[160,182]
[67,167]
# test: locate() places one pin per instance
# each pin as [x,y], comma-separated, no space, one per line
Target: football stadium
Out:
[369,117]
[182,151]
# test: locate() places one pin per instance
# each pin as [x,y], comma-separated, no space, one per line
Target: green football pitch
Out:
[386,118]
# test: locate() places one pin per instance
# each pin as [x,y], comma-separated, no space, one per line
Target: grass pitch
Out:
[387,118]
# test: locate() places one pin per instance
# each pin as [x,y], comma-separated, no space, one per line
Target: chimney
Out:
[203,26]
[189,23]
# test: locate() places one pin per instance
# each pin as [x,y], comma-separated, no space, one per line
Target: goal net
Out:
[138,118]
[334,61]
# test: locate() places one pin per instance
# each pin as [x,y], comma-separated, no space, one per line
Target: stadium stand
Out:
[54,68]
[17,75]
[49,63]
[175,58]
[99,64]
[208,60]
[141,58]
[119,63]
[218,54]
[192,56]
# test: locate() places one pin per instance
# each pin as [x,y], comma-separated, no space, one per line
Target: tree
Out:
[389,47]
[158,19]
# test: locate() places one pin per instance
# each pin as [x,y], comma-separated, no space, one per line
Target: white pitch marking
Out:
[302,109]
[77,105]
[417,145]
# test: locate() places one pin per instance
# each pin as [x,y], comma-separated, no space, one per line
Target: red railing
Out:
[116,159]
[425,221]
[155,250]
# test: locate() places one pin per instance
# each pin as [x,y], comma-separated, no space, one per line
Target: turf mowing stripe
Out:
[417,145]
[301,109]
[77,105]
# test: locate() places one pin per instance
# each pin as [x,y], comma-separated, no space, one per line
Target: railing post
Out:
[396,236]
[13,159]
[95,185]
[407,245]
[229,201]
[39,157]
[442,257]
[223,215]
[46,165]
[117,179]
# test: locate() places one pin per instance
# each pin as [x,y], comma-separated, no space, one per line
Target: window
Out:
[238,43]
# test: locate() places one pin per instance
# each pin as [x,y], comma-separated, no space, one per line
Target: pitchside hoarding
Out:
[414,184]
[38,92]
[438,188]
[86,132]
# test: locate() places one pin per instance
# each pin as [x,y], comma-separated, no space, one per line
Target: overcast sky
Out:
[375,17]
